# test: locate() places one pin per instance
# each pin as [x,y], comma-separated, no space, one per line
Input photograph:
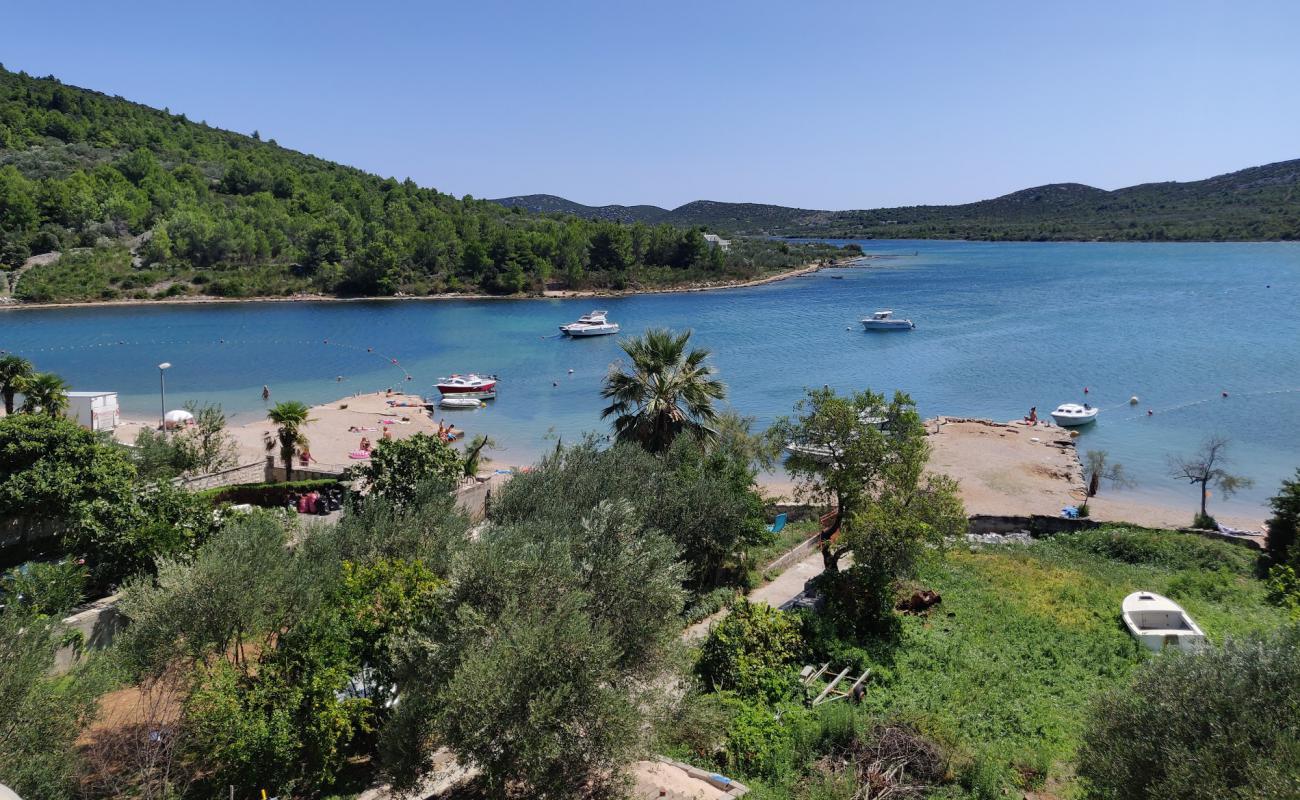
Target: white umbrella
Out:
[178,418]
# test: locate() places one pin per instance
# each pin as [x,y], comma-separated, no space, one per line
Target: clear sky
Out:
[815,104]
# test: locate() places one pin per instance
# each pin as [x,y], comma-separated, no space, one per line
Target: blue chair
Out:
[778,524]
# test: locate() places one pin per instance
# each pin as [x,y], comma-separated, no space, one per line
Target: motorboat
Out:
[460,401]
[594,324]
[464,384]
[827,453]
[1072,415]
[884,320]
[1161,624]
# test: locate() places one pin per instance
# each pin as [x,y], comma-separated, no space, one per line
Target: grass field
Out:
[1003,670]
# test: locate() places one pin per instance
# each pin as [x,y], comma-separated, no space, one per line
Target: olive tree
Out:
[1207,468]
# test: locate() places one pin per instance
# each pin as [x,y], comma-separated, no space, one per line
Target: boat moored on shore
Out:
[1072,415]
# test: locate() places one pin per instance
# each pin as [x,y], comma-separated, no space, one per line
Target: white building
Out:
[94,410]
[715,239]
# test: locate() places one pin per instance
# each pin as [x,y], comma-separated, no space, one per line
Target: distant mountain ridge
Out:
[1257,203]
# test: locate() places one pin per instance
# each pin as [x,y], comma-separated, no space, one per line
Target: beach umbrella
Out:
[178,418]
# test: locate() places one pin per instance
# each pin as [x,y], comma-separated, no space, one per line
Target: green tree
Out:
[289,417]
[43,714]
[14,372]
[1206,468]
[666,391]
[1219,724]
[868,458]
[46,393]
[611,249]
[542,666]
[1282,526]
[398,467]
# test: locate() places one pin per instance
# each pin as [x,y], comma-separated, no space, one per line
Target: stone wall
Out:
[475,499]
[1037,524]
[97,624]
[252,472]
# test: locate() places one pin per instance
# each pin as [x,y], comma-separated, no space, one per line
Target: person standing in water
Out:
[266,393]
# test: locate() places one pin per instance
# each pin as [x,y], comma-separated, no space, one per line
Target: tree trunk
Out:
[1205,487]
[9,402]
[831,559]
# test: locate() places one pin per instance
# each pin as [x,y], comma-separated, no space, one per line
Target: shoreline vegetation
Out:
[547,294]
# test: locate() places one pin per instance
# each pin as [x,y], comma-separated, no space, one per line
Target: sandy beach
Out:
[336,428]
[1014,469]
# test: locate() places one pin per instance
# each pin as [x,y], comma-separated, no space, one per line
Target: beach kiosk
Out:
[96,411]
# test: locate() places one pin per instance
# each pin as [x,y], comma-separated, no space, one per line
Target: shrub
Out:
[1160,549]
[1284,522]
[1219,724]
[398,466]
[44,588]
[750,651]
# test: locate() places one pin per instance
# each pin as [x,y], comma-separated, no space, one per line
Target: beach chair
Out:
[777,524]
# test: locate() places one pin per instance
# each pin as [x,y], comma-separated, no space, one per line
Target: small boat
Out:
[883,320]
[462,384]
[1161,624]
[460,401]
[594,324]
[827,453]
[1072,415]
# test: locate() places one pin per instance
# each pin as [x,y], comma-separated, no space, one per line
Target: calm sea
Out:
[1000,327]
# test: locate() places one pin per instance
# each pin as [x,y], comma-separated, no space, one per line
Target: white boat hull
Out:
[1073,416]
[589,330]
[1159,623]
[460,402]
[887,325]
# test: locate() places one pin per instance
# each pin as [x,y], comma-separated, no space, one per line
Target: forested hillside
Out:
[143,203]
[1256,204]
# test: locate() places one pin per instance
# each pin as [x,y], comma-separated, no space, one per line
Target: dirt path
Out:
[778,593]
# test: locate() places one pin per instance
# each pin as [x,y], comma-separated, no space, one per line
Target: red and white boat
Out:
[467,384]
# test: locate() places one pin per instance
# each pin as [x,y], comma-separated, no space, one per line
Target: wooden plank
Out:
[819,673]
[831,685]
[858,682]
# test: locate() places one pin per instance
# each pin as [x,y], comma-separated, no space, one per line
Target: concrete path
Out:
[782,592]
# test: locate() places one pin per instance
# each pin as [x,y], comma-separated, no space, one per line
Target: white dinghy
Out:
[1161,624]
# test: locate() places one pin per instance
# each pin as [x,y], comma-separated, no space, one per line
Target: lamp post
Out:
[162,392]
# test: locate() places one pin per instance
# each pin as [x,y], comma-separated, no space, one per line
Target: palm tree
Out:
[668,390]
[14,370]
[45,392]
[290,416]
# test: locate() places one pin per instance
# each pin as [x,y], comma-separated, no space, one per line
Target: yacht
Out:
[594,324]
[883,320]
[1072,415]
[467,384]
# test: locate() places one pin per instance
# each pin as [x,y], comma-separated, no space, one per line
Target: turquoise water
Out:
[1000,327]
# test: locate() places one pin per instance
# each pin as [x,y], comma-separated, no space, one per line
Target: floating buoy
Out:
[1150,412]
[555,383]
[570,372]
[1133,400]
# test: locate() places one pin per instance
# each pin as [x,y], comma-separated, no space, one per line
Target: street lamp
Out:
[162,392]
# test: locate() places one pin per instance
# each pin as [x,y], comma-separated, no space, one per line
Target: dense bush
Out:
[398,467]
[268,495]
[751,651]
[1160,549]
[50,589]
[1220,724]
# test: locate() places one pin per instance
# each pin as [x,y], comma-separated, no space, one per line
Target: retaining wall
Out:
[97,623]
[252,472]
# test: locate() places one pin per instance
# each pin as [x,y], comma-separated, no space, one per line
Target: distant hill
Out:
[1257,204]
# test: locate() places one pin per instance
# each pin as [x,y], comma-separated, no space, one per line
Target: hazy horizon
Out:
[830,105]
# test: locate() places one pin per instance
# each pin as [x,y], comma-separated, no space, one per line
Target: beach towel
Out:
[359,454]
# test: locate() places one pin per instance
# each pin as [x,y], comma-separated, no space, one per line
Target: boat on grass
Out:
[1161,624]
[884,320]
[595,323]
[1072,415]
[466,384]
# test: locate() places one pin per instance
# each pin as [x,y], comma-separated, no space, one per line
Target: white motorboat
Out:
[884,320]
[459,401]
[1161,624]
[466,384]
[826,453]
[594,324]
[1072,415]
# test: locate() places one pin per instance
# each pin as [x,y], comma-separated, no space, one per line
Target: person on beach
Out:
[388,433]
[1032,419]
[305,456]
[365,445]
[266,393]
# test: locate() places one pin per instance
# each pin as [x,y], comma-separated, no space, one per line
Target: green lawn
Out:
[1004,668]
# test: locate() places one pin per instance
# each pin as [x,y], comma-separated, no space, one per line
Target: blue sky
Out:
[816,104]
